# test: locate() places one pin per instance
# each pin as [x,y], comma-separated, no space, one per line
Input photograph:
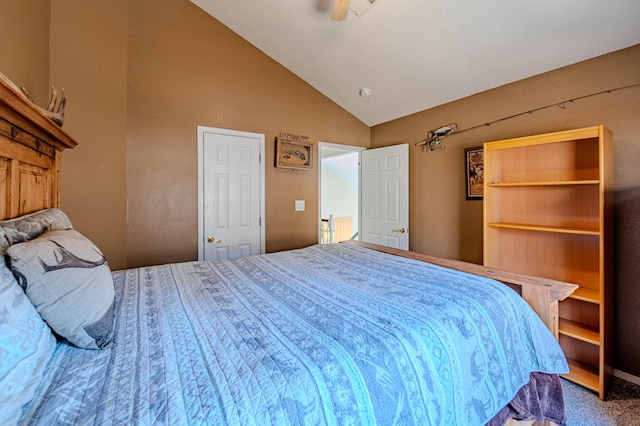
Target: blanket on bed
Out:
[330,334]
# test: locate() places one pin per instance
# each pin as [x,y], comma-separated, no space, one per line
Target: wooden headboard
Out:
[30,148]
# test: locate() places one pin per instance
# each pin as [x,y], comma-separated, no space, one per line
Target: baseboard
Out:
[626,376]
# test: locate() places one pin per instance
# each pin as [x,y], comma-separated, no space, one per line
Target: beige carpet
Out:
[621,407]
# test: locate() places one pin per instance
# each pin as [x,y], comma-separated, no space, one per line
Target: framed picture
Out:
[474,166]
[292,154]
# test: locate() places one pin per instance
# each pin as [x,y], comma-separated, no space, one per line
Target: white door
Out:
[385,196]
[230,193]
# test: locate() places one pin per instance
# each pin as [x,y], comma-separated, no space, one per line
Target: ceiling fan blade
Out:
[340,10]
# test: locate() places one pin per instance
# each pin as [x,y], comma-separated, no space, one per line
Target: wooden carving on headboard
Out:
[30,150]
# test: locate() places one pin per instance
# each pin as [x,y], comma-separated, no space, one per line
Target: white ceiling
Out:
[418,54]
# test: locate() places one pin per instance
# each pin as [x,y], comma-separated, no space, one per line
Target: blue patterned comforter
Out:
[331,334]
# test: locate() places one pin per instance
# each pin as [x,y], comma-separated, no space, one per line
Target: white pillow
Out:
[69,282]
[26,343]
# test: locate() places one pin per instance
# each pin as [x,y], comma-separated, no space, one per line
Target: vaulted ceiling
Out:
[417,54]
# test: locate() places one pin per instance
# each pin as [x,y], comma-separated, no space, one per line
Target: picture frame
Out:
[474,172]
[293,154]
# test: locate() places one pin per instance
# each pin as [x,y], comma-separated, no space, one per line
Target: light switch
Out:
[299,205]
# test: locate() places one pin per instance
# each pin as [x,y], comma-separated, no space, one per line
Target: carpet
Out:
[584,408]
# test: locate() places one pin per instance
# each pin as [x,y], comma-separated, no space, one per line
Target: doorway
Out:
[339,192]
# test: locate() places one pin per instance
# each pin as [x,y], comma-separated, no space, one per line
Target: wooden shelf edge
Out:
[542,228]
[556,183]
[586,295]
[563,136]
[579,331]
[583,375]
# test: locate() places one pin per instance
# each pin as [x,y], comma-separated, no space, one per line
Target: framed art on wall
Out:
[474,166]
[292,154]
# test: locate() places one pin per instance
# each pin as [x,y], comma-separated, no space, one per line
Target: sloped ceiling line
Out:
[419,54]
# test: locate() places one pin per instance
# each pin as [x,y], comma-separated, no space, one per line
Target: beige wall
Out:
[79,47]
[24,49]
[444,223]
[187,69]
[89,59]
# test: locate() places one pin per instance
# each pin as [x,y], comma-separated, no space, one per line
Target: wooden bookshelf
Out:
[548,212]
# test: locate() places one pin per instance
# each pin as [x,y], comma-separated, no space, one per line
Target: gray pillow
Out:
[29,226]
[69,282]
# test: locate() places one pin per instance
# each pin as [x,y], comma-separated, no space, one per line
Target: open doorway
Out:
[339,192]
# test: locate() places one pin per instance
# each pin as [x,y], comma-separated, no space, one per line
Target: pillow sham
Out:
[28,227]
[69,282]
[26,343]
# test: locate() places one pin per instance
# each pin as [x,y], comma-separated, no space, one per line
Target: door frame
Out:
[201,132]
[345,148]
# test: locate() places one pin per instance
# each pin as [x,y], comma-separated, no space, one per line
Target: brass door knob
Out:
[400,230]
[213,240]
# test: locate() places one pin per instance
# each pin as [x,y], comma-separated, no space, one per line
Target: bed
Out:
[329,334]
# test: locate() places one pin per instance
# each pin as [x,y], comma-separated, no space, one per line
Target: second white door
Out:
[385,196]
[231,182]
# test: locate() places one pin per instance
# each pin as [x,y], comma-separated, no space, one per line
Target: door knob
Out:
[400,230]
[213,240]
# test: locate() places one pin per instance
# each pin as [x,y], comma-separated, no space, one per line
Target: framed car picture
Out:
[292,154]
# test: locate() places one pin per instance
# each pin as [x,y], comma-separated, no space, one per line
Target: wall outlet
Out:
[299,205]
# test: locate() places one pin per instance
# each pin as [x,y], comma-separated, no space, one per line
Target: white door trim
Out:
[346,148]
[201,132]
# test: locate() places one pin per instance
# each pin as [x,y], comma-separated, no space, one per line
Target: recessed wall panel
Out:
[392,241]
[245,249]
[244,156]
[222,200]
[374,164]
[392,188]
[244,201]
[221,252]
[374,200]
[373,238]
[392,162]
[221,154]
